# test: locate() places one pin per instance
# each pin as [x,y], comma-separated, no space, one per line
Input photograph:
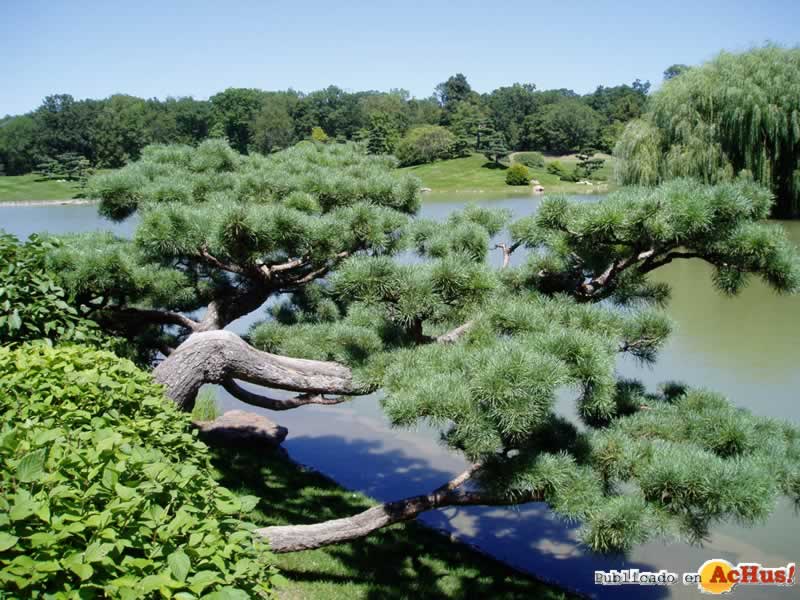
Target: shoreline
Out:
[72,201]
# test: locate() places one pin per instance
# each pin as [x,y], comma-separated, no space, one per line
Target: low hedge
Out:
[106,491]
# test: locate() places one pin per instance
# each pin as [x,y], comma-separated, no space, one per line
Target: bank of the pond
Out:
[68,202]
[25,189]
[403,561]
[475,174]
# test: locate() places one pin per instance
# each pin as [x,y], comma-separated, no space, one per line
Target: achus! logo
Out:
[718,576]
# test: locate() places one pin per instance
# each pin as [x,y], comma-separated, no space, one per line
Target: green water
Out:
[743,347]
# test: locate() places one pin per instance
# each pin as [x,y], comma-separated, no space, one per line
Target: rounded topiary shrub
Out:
[106,490]
[518,174]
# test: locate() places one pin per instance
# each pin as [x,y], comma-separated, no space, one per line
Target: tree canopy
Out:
[112,131]
[738,113]
[364,296]
[562,127]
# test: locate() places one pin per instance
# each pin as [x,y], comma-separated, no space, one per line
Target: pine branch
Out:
[215,262]
[153,317]
[293,538]
[240,393]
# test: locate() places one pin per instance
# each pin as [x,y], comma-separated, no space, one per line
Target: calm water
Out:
[744,347]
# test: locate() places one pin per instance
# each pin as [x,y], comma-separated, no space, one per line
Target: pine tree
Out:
[477,352]
[382,136]
[587,163]
[493,145]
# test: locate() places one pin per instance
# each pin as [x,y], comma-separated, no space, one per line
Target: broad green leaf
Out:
[179,564]
[44,539]
[96,552]
[7,541]
[227,593]
[14,320]
[125,493]
[227,508]
[31,467]
[74,562]
[201,580]
[248,503]
[23,507]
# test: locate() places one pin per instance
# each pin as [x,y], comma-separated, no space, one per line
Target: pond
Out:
[744,347]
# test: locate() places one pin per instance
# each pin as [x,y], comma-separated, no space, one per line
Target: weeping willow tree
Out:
[739,113]
[478,348]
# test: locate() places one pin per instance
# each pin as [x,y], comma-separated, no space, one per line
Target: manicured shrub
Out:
[570,175]
[532,160]
[556,168]
[107,492]
[518,174]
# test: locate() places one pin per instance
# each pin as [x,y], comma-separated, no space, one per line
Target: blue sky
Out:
[181,48]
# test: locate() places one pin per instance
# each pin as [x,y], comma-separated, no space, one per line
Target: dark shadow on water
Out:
[528,537]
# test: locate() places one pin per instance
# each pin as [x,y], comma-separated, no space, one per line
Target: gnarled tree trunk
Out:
[221,356]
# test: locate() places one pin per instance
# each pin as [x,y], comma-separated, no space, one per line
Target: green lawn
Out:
[402,561]
[19,188]
[476,174]
[571,160]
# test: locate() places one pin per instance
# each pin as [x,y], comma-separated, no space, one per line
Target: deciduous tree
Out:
[736,113]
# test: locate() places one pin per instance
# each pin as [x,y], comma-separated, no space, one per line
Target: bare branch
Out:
[154,317]
[604,281]
[507,252]
[455,334]
[269,270]
[292,538]
[240,393]
[459,480]
[212,260]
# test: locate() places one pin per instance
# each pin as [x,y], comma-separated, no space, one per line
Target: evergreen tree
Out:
[493,145]
[49,168]
[477,352]
[587,163]
[382,137]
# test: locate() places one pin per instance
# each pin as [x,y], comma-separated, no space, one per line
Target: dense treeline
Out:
[112,131]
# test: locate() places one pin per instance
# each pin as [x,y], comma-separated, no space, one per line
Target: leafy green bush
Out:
[532,160]
[571,175]
[426,144]
[32,306]
[107,493]
[556,168]
[518,174]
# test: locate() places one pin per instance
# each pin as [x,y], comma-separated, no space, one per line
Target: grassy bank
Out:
[21,188]
[476,174]
[403,561]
